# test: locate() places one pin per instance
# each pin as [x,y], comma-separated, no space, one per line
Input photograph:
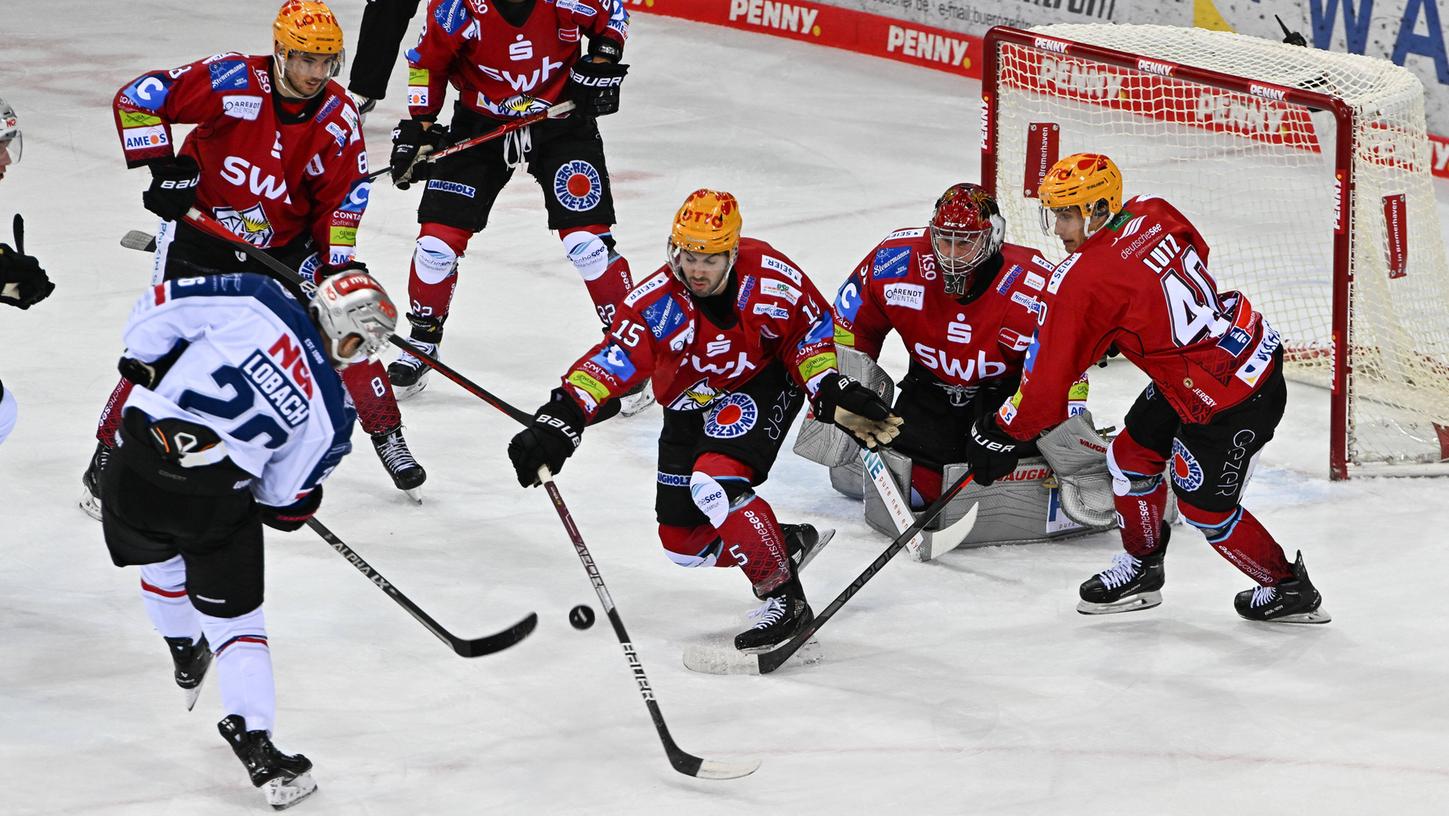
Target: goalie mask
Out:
[966,228]
[307,48]
[1088,183]
[351,304]
[9,135]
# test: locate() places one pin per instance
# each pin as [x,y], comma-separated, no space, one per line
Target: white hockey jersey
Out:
[251,368]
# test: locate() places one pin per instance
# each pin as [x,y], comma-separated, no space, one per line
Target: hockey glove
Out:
[148,375]
[173,187]
[991,452]
[551,439]
[22,282]
[858,410]
[293,516]
[411,144]
[594,86]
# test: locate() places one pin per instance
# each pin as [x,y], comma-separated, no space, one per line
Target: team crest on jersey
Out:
[891,262]
[695,397]
[731,417]
[250,225]
[577,186]
[1186,472]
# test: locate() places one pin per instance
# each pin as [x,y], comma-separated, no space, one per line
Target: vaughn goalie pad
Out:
[1077,453]
[827,444]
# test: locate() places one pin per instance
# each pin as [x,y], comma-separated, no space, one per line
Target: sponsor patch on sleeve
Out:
[588,385]
[891,263]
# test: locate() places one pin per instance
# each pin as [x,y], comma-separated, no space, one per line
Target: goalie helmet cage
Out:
[1307,173]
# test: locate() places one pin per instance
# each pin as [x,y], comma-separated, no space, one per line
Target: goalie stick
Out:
[476,647]
[553,112]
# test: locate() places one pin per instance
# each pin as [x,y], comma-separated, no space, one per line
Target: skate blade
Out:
[416,494]
[283,793]
[1134,603]
[90,504]
[1319,615]
[718,655]
[403,392]
[825,536]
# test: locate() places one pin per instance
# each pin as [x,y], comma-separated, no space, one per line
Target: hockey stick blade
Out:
[476,647]
[947,539]
[715,769]
[136,239]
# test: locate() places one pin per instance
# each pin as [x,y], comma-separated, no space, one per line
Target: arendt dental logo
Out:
[796,18]
[577,186]
[250,225]
[928,46]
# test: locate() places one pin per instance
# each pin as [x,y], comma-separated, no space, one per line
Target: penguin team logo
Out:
[250,225]
[1186,472]
[732,417]
[577,186]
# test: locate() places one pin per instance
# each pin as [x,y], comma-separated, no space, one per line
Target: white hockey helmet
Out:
[354,303]
[9,135]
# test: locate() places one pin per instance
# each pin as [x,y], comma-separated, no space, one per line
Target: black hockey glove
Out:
[148,375]
[856,409]
[552,438]
[594,86]
[991,452]
[22,282]
[293,516]
[173,187]
[411,143]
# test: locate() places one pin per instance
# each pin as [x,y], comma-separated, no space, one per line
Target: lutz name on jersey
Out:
[693,360]
[271,170]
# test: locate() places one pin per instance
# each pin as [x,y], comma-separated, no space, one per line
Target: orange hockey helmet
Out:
[306,27]
[1087,182]
[707,223]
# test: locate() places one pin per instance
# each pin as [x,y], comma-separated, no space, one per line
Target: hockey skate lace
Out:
[395,454]
[1124,569]
[1262,596]
[407,358]
[769,613]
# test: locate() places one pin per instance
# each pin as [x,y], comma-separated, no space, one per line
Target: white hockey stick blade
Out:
[718,655]
[949,538]
[136,239]
[716,769]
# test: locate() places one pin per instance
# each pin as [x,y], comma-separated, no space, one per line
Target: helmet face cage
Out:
[354,304]
[966,228]
[10,143]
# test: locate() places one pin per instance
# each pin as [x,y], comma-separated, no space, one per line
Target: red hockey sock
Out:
[110,422]
[434,271]
[605,272]
[926,482]
[1139,492]
[1238,536]
[697,546]
[371,392]
[753,539]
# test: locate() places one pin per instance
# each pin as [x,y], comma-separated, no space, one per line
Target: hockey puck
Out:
[581,617]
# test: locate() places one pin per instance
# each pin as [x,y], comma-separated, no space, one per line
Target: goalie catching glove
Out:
[551,439]
[859,411]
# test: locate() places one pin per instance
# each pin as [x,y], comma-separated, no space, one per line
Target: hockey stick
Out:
[769,661]
[553,112]
[477,647]
[683,761]
[12,290]
[920,547]
[135,239]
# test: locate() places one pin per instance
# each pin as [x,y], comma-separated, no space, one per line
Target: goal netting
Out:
[1306,171]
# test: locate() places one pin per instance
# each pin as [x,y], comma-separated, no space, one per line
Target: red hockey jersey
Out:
[268,175]
[1141,284]
[661,332]
[502,70]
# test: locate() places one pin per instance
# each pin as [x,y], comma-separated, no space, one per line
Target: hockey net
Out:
[1306,171]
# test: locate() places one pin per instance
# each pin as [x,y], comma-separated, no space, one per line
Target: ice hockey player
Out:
[278,158]
[22,282]
[236,417]
[735,337]
[1136,280]
[508,59]
[965,305]
[384,23]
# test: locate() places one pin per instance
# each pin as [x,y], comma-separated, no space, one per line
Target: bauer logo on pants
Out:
[732,417]
[1186,472]
[577,186]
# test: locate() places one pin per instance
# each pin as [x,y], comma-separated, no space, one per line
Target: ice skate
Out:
[192,660]
[783,615]
[1129,585]
[637,400]
[405,471]
[90,497]
[1292,601]
[407,373]
[284,779]
[804,542]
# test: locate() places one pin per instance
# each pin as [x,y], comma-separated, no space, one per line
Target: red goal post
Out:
[1306,171]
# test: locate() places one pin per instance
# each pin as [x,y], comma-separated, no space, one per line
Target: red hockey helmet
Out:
[966,228]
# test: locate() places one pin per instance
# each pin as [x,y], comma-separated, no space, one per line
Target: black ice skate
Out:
[1129,585]
[407,373]
[784,614]
[405,471]
[1292,601]
[284,779]
[804,542]
[192,660]
[90,498]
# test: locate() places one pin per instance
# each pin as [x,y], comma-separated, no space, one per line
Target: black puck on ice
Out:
[581,617]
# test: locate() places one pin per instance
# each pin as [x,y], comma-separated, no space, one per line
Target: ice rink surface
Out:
[969,685]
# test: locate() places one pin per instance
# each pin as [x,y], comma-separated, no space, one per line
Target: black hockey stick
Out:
[769,661]
[553,112]
[476,647]
[683,761]
[135,239]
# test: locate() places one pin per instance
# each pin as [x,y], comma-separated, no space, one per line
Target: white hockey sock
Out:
[163,589]
[244,667]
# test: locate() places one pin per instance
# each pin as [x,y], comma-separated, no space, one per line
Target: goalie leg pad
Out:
[827,444]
